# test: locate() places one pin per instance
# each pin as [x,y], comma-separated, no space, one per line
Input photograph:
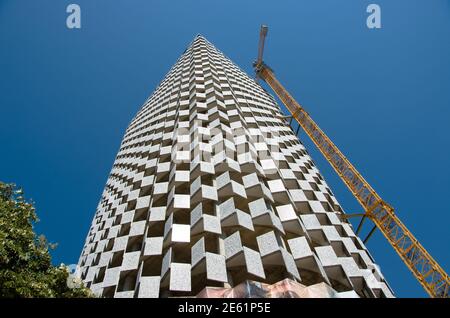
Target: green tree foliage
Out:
[25,261]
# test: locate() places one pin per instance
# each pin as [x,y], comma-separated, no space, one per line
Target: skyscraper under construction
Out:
[211,190]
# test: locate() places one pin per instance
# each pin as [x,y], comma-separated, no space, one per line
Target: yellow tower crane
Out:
[427,271]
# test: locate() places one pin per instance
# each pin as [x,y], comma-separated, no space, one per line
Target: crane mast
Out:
[427,271]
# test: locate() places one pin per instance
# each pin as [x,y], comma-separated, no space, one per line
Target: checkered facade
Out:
[211,187]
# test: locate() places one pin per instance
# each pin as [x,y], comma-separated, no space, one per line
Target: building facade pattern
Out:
[211,187]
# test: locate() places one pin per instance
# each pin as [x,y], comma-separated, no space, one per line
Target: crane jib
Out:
[427,271]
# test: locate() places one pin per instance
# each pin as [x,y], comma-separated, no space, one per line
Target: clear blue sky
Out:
[383,96]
